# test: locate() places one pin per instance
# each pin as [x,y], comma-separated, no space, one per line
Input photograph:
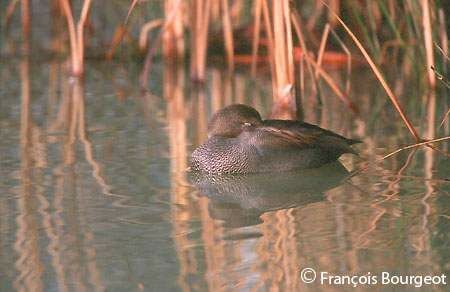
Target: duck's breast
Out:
[224,155]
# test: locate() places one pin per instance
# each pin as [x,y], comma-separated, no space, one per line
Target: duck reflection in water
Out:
[240,200]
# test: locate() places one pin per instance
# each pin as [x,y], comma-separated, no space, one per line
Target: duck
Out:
[240,142]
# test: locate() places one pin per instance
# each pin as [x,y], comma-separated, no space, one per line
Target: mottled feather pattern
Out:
[221,155]
[241,142]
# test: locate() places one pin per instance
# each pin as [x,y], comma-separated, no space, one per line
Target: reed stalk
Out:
[444,118]
[152,49]
[130,10]
[318,71]
[76,35]
[281,54]
[283,47]
[200,15]
[228,35]
[296,21]
[256,34]
[425,143]
[428,38]
[381,79]
[316,13]
[9,13]
[172,37]
[118,36]
[270,45]
[334,87]
[323,43]
[146,29]
[26,25]
[121,31]
[445,59]
[349,60]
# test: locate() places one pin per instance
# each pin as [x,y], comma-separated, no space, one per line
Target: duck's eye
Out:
[247,124]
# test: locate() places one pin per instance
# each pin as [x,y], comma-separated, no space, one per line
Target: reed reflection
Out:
[240,200]
[228,233]
[182,205]
[69,222]
[257,231]
[67,239]
[29,264]
[256,212]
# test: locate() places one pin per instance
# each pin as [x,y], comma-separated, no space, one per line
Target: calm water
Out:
[95,196]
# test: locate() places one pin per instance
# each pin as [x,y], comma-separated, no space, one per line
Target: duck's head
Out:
[232,120]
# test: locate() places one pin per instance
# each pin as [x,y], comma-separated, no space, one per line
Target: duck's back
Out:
[283,154]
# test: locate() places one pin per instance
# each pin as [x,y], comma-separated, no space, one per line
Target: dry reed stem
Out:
[322,46]
[334,6]
[120,32]
[270,46]
[152,49]
[279,39]
[392,9]
[228,35]
[380,78]
[9,12]
[428,38]
[173,36]
[424,143]
[72,34]
[295,18]
[444,118]
[290,45]
[445,45]
[118,35]
[146,28]
[199,32]
[130,10]
[349,61]
[76,35]
[26,21]
[26,24]
[302,79]
[80,31]
[316,13]
[329,80]
[436,180]
[282,59]
[256,35]
[444,53]
[440,77]
[283,47]
[413,146]
[237,8]
[321,72]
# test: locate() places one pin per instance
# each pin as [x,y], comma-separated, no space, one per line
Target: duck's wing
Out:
[296,134]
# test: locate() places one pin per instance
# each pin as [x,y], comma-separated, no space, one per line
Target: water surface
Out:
[95,193]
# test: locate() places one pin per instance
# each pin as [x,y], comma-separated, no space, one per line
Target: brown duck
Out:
[239,141]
